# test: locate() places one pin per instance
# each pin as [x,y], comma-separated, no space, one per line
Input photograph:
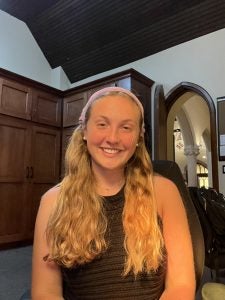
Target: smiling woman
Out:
[112,138]
[109,230]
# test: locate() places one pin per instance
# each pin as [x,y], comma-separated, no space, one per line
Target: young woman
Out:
[112,229]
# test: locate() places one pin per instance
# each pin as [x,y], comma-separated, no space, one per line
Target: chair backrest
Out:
[171,170]
[205,224]
[213,235]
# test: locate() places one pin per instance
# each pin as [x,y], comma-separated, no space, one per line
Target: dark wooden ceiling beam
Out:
[90,37]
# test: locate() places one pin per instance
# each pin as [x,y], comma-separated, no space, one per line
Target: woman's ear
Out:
[84,133]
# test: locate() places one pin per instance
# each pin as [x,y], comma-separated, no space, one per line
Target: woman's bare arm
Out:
[46,276]
[180,276]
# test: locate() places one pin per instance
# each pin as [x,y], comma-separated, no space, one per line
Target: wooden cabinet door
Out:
[45,154]
[15,99]
[29,166]
[72,107]
[46,108]
[14,173]
[66,135]
[91,91]
[45,158]
[35,192]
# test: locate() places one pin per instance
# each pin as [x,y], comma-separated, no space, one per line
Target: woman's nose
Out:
[113,136]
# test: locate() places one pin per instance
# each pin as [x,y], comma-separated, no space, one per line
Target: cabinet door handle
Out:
[27,172]
[31,172]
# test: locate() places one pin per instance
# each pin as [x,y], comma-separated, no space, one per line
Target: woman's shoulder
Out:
[52,192]
[165,191]
[47,204]
[162,183]
[49,197]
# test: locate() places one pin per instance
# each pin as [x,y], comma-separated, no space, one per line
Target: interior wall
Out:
[20,53]
[59,79]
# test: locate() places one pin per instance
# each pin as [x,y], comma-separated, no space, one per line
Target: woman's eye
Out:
[126,127]
[101,124]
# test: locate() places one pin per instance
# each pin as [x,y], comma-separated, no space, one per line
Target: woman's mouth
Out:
[111,150]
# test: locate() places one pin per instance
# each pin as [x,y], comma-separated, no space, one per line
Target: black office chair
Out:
[214,256]
[171,170]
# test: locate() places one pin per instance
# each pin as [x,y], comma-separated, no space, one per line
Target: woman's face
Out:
[112,132]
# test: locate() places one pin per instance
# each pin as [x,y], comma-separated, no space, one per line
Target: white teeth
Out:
[111,151]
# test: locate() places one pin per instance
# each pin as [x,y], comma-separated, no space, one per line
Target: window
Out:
[202,174]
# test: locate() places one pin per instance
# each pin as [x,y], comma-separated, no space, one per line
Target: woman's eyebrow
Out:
[108,119]
[101,117]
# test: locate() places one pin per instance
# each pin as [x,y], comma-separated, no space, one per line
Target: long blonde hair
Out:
[76,229]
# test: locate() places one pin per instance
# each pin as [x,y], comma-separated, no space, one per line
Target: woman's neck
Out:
[109,183]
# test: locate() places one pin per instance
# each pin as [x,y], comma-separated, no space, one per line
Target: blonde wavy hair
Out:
[76,228]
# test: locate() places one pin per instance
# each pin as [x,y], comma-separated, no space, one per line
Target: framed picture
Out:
[221,126]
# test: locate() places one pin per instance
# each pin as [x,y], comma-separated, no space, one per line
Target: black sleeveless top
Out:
[101,279]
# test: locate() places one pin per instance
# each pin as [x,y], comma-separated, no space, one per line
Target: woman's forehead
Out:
[121,104]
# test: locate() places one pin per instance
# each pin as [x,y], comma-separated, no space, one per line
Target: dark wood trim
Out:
[117,76]
[27,81]
[12,245]
[160,124]
[30,82]
[177,92]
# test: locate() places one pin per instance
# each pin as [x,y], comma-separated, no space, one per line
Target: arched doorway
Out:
[164,105]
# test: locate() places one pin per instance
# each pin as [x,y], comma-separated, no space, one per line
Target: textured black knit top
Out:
[101,279]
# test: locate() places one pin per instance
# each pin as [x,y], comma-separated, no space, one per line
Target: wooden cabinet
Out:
[75,101]
[30,137]
[46,108]
[94,88]
[15,99]
[72,107]
[14,157]
[66,135]
[29,166]
[44,167]
[22,101]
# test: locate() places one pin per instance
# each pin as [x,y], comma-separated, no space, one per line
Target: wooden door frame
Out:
[159,151]
[184,87]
